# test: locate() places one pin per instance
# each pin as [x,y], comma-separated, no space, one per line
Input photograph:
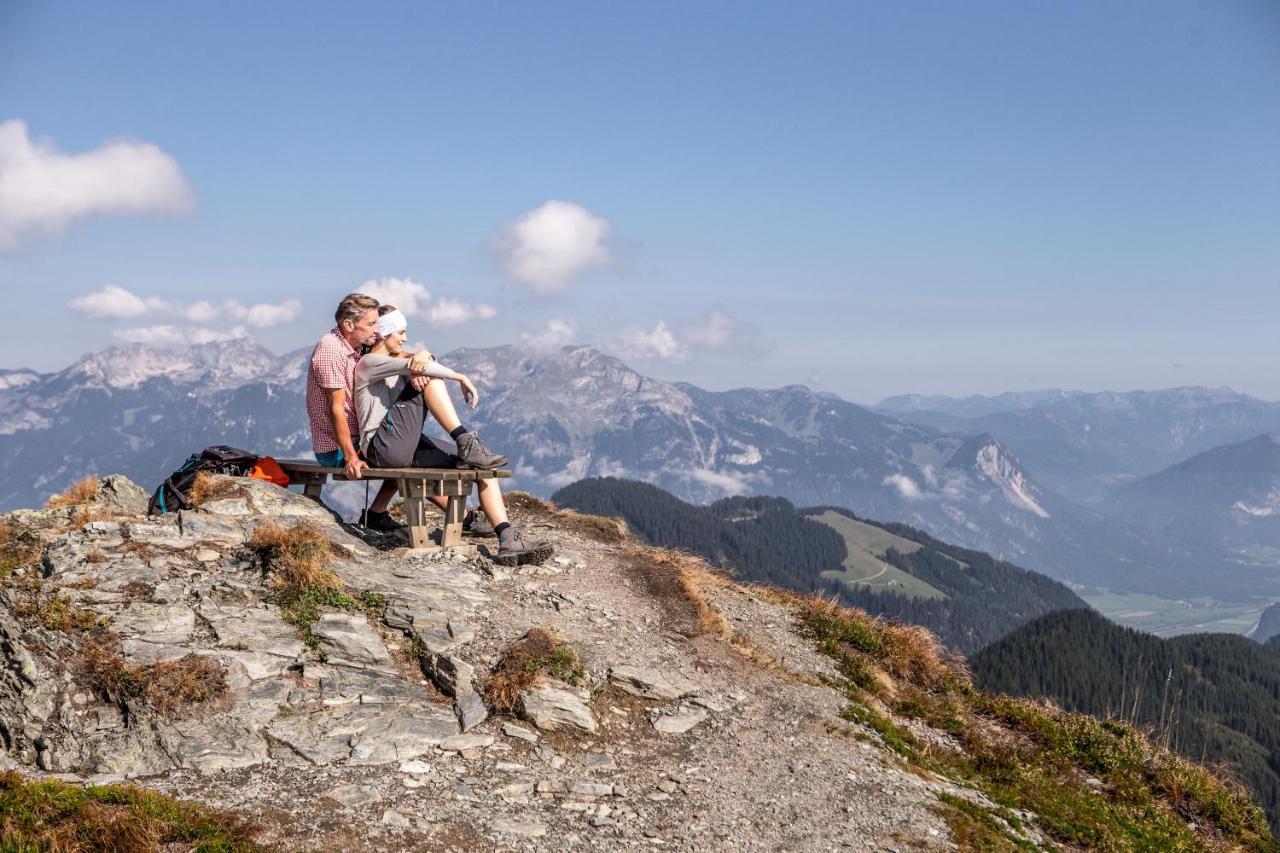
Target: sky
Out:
[866,198]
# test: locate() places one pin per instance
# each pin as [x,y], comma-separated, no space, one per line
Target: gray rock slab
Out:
[552,708]
[402,734]
[457,743]
[512,730]
[353,796]
[522,828]
[214,745]
[679,722]
[347,638]
[343,685]
[471,710]
[650,683]
[257,629]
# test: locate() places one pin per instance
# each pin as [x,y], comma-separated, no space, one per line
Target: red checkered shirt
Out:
[333,365]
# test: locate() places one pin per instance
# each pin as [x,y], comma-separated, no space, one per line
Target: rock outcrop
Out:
[699,716]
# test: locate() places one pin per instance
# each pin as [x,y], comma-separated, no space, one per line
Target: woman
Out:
[392,414]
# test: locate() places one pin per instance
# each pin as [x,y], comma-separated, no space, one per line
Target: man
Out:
[331,407]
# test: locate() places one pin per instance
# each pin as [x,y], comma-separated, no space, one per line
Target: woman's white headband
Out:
[391,322]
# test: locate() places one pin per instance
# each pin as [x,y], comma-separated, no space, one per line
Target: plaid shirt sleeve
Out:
[329,367]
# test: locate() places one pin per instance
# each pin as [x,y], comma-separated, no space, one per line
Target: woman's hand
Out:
[469,393]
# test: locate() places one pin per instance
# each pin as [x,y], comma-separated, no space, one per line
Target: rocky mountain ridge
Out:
[672,708]
[577,412]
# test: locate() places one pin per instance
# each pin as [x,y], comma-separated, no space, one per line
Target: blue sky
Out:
[872,198]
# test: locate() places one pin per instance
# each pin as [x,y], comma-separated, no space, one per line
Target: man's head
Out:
[357,319]
[392,329]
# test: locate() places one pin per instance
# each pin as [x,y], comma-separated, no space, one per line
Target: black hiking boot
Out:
[475,524]
[380,521]
[514,551]
[472,453]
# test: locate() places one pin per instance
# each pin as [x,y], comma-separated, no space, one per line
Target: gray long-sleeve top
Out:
[380,379]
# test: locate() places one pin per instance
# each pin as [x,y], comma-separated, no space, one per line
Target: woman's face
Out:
[395,341]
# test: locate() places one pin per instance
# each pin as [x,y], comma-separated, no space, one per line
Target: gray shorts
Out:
[399,442]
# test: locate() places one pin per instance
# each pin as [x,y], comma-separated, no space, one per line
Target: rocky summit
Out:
[617,697]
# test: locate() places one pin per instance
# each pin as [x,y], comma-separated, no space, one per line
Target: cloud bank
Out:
[42,190]
[415,300]
[548,248]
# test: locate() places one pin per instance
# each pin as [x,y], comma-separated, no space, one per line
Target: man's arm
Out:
[338,422]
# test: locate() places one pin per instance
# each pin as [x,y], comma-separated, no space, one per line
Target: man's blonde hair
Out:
[353,306]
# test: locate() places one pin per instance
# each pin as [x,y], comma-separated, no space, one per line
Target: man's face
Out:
[363,331]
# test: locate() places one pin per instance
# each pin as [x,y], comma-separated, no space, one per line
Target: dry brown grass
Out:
[19,547]
[297,557]
[95,555]
[54,816]
[79,493]
[607,530]
[212,487]
[136,590]
[877,648]
[539,652]
[678,579]
[167,687]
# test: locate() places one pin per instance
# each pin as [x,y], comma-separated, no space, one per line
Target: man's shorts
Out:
[332,459]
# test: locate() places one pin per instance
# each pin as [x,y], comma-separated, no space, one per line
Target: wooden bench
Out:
[415,485]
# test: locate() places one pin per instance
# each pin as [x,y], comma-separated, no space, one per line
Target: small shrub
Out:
[297,557]
[372,603]
[167,686]
[211,487]
[56,816]
[58,613]
[95,556]
[539,652]
[19,548]
[136,590]
[79,493]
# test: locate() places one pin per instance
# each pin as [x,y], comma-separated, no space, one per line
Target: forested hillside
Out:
[764,539]
[972,599]
[984,598]
[1210,696]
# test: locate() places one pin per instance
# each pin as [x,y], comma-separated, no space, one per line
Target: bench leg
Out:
[453,514]
[312,484]
[413,492]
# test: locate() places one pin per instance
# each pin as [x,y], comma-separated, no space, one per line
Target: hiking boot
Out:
[380,521]
[475,524]
[514,551]
[473,454]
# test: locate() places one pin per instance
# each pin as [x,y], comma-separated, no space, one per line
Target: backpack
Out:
[219,459]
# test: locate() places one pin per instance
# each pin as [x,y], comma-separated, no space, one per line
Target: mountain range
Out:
[1084,445]
[577,412]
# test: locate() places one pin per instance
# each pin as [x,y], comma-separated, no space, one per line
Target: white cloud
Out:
[200,312]
[556,334]
[43,190]
[719,331]
[550,246]
[727,482]
[162,334]
[451,312]
[404,293]
[116,303]
[263,314]
[205,336]
[658,344]
[906,486]
[715,330]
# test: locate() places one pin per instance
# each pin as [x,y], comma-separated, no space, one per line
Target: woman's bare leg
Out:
[440,405]
[495,509]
